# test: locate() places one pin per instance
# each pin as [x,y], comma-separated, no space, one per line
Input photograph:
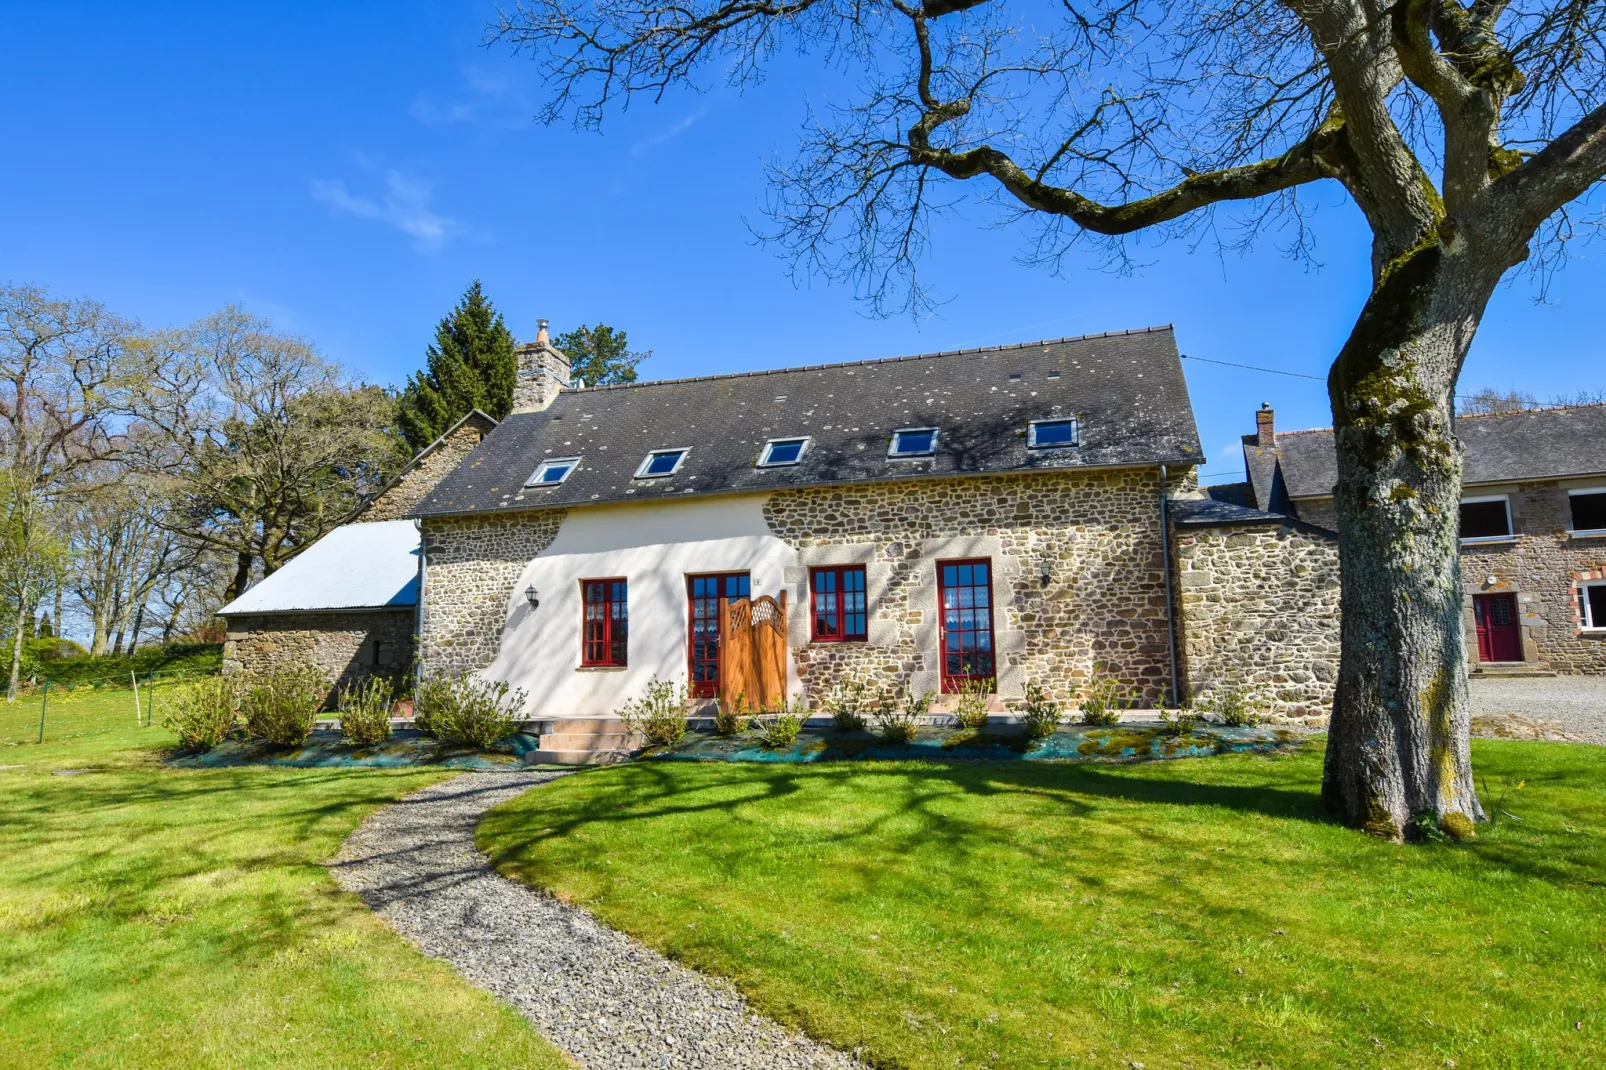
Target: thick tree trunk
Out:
[1398,753]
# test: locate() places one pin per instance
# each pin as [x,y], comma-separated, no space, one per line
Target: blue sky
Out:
[347,168]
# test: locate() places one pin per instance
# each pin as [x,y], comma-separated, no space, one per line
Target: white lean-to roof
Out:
[357,566]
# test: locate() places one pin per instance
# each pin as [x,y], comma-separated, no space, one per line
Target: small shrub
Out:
[281,704]
[898,717]
[972,707]
[1231,706]
[1042,712]
[659,715]
[202,713]
[729,718]
[1178,722]
[1104,699]
[365,711]
[467,709]
[846,706]
[782,731]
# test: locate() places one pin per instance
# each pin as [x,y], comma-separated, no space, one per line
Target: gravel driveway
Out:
[600,996]
[1540,707]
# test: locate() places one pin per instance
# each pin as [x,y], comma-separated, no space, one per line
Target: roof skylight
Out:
[552,471]
[1052,434]
[782,451]
[913,442]
[661,463]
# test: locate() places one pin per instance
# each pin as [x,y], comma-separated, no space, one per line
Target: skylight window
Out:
[661,463]
[782,451]
[1051,434]
[913,442]
[552,471]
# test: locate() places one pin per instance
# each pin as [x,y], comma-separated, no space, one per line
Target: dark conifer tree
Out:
[472,364]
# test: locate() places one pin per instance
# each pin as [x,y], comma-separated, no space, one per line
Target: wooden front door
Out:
[706,595]
[1499,638]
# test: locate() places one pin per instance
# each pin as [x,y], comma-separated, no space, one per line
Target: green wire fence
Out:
[88,707]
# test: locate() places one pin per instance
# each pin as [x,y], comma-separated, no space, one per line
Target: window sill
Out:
[1489,540]
[839,642]
[602,668]
[1589,533]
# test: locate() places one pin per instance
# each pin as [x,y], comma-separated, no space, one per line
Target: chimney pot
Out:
[1265,427]
[541,334]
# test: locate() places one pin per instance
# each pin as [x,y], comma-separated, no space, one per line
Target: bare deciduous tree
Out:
[263,444]
[1462,131]
[65,372]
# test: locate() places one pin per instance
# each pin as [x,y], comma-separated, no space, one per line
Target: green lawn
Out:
[1183,914]
[152,917]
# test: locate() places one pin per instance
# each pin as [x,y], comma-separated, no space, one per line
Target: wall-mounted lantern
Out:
[1044,575]
[532,596]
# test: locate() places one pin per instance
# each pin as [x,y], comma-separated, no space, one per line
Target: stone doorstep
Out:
[576,757]
[1512,669]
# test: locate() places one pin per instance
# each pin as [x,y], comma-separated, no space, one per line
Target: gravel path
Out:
[1540,707]
[600,996]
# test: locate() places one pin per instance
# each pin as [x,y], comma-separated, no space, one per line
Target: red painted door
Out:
[706,593]
[1498,637]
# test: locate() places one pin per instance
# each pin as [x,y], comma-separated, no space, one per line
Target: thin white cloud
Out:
[669,133]
[489,99]
[405,206]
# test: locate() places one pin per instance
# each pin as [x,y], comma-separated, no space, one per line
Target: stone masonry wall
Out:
[408,491]
[1077,582]
[345,646]
[470,566]
[1259,609]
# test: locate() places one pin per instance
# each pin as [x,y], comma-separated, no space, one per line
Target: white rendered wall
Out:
[655,546]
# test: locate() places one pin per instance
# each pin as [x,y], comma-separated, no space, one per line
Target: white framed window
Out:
[1588,510]
[1053,434]
[661,463]
[552,471]
[1486,519]
[779,452]
[913,442]
[1592,606]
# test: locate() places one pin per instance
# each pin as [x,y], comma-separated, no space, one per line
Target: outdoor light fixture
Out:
[1043,575]
[532,596]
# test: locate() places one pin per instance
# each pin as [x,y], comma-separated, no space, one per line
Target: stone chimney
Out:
[1265,428]
[543,371]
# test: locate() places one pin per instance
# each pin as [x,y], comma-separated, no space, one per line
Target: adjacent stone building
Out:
[1533,527]
[348,604]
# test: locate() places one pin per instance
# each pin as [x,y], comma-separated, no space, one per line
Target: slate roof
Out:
[356,566]
[1508,447]
[1126,389]
[1214,512]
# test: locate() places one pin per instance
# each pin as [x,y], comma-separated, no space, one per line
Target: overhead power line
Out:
[1252,368]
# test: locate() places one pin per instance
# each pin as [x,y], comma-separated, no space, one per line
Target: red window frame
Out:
[605,622]
[838,606]
[965,600]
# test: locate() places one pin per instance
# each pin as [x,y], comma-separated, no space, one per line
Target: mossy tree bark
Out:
[1398,754]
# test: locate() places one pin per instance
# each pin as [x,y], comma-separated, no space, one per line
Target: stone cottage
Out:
[981,517]
[1533,527]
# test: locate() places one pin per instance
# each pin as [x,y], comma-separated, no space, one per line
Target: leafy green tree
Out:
[600,355]
[472,364]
